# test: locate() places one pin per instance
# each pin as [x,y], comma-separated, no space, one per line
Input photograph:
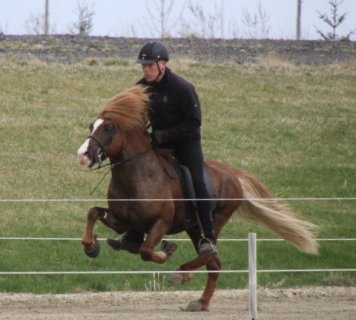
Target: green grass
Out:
[293,127]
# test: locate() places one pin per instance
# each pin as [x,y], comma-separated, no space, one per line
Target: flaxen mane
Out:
[129,109]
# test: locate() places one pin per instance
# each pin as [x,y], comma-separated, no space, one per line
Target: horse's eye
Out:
[108,128]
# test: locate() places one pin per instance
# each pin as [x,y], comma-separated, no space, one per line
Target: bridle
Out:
[103,146]
[99,154]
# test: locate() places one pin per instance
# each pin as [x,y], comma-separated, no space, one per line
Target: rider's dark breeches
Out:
[191,155]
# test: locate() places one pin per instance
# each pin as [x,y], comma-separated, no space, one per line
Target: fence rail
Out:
[163,272]
[183,199]
[153,272]
[170,239]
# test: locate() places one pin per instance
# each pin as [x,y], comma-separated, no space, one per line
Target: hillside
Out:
[72,49]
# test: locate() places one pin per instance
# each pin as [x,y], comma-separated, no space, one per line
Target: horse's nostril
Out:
[87,154]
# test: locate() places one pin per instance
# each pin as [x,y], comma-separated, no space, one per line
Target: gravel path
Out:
[324,303]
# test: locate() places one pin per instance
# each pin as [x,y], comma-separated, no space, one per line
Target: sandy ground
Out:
[324,303]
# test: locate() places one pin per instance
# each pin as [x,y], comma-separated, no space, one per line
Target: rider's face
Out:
[151,71]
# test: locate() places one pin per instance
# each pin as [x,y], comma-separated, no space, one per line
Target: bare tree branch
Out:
[203,25]
[257,24]
[85,19]
[159,19]
[334,22]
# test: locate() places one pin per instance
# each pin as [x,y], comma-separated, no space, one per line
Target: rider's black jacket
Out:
[175,109]
[176,117]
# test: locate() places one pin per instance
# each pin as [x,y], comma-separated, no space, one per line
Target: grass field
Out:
[293,127]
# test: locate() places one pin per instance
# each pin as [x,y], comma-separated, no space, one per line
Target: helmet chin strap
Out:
[159,72]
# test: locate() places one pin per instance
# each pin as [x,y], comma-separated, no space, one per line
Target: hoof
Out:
[122,244]
[94,252]
[168,248]
[195,306]
[115,244]
[180,278]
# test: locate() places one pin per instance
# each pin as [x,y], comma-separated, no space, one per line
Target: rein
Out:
[160,155]
[113,165]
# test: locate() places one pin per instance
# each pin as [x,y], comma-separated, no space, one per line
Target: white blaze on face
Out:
[82,151]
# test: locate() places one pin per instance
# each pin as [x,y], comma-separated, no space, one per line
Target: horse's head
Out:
[99,144]
[126,112]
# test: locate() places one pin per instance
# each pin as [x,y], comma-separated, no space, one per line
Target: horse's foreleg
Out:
[88,240]
[155,235]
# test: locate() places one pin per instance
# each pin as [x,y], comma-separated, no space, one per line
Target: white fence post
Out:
[252,275]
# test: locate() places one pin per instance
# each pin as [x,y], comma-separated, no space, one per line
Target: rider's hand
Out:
[157,137]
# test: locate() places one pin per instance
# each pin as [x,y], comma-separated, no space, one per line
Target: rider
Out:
[176,121]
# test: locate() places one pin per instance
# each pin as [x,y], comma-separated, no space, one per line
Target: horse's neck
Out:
[143,172]
[135,170]
[134,154]
[134,144]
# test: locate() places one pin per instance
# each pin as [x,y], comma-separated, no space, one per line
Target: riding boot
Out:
[207,245]
[131,241]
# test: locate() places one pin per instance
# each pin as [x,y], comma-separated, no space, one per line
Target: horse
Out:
[145,195]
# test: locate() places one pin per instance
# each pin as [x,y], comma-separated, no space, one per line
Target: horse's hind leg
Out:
[212,264]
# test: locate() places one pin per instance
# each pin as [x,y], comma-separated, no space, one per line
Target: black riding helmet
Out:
[152,52]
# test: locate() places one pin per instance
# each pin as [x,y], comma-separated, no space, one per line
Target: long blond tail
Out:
[259,206]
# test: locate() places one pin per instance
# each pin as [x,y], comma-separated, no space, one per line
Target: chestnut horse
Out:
[144,194]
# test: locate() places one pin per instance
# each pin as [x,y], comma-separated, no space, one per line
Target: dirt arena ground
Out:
[324,303]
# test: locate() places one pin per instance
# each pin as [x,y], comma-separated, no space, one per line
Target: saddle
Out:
[186,178]
[188,186]
[189,191]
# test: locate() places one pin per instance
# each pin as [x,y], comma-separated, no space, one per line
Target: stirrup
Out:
[207,248]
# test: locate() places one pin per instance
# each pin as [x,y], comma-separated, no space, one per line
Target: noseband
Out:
[99,154]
